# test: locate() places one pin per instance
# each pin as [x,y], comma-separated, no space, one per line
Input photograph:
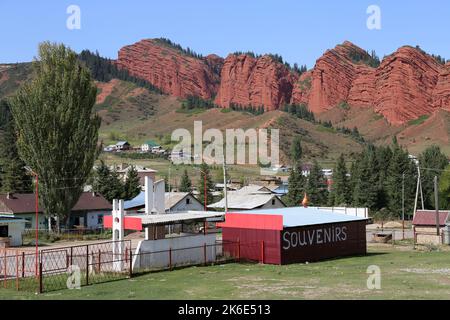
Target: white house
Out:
[123,145]
[11,229]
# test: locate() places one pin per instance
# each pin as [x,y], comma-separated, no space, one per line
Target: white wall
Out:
[15,230]
[92,219]
[179,257]
[194,205]
[356,212]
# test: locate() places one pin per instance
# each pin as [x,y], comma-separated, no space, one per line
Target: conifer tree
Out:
[296,189]
[296,150]
[204,171]
[185,184]
[131,186]
[316,187]
[432,161]
[340,192]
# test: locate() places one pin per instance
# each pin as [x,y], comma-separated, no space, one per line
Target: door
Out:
[4,232]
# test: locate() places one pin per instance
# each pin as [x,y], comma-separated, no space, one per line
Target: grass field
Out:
[405,274]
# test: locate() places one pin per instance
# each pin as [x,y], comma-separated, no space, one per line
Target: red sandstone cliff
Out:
[407,84]
[173,71]
[262,81]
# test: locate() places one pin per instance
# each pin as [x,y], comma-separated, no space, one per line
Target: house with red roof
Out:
[426,229]
[87,213]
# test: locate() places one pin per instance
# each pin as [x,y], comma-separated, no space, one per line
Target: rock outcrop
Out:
[262,81]
[405,82]
[170,69]
[404,86]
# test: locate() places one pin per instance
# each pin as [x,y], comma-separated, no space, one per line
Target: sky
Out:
[300,31]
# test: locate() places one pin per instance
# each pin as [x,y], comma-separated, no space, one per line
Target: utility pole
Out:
[403,206]
[225,188]
[436,204]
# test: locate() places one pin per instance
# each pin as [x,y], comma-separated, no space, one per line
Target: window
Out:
[4,232]
[273,202]
[28,224]
[188,201]
[100,219]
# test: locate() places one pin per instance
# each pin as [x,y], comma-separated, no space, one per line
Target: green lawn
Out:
[406,274]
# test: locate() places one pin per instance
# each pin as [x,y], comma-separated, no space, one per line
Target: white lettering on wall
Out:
[314,237]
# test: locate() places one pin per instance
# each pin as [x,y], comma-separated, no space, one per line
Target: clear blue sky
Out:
[298,30]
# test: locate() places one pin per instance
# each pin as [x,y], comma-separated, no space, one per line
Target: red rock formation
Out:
[332,78]
[169,69]
[441,93]
[246,80]
[404,85]
[408,84]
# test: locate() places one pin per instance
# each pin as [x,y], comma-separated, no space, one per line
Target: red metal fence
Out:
[61,268]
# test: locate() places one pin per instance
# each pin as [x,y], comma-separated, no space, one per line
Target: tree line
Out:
[379,178]
[104,70]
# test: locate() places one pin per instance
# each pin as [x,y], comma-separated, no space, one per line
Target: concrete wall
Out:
[147,255]
[15,230]
[427,235]
[92,219]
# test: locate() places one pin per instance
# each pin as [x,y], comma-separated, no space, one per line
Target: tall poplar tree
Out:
[57,129]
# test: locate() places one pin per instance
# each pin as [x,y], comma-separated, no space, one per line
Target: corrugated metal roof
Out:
[176,217]
[428,218]
[243,201]
[170,200]
[300,216]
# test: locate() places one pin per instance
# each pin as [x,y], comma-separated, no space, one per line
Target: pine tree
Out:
[296,189]
[432,160]
[316,187]
[108,183]
[444,189]
[131,186]
[364,180]
[185,184]
[13,175]
[340,192]
[205,172]
[400,164]
[296,150]
[57,130]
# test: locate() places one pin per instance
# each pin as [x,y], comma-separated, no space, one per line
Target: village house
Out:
[173,202]
[123,168]
[425,228]
[122,146]
[250,197]
[87,213]
[150,146]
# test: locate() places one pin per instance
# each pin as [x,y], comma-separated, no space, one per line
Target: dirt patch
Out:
[445,271]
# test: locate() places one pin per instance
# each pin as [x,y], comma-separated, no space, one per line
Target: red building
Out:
[293,235]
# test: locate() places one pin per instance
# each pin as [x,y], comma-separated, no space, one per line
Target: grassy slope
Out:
[405,274]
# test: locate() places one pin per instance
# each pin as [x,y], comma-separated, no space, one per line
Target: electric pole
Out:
[436,204]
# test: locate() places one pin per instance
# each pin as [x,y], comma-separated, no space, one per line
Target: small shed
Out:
[11,229]
[425,228]
[293,235]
